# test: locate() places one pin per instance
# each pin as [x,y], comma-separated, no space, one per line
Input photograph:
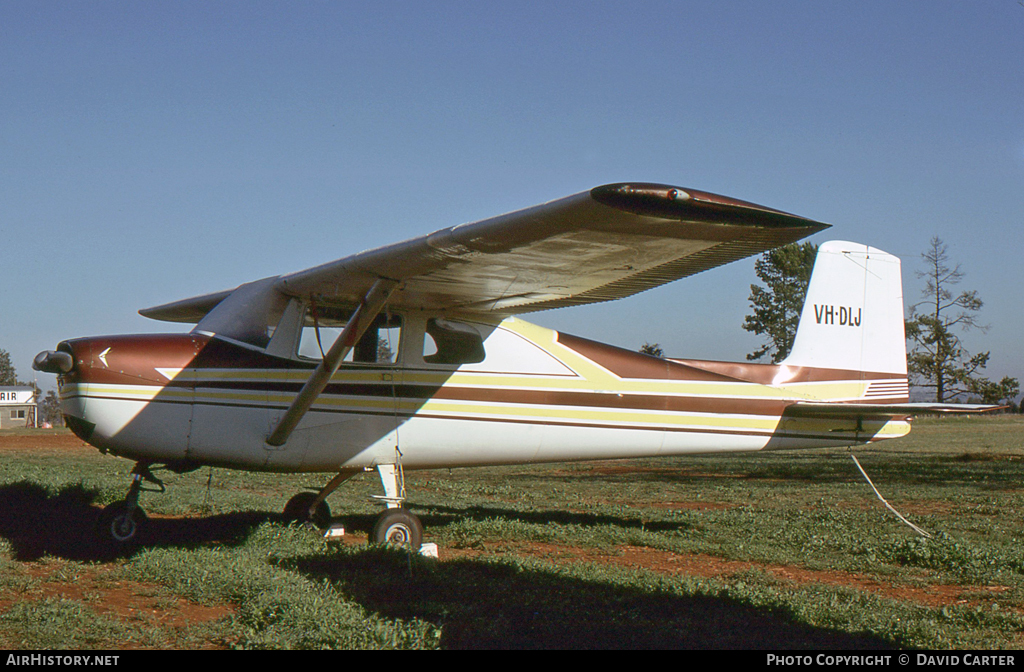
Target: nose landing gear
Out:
[122,524]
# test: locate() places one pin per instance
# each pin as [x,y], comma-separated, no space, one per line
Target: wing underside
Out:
[607,243]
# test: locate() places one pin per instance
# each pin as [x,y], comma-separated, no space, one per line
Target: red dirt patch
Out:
[707,566]
[47,442]
[632,470]
[97,588]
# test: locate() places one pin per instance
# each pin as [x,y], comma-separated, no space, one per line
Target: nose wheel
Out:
[122,524]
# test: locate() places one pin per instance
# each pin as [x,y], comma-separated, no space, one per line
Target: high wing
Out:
[607,243]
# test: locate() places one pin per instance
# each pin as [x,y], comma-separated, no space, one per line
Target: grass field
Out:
[774,550]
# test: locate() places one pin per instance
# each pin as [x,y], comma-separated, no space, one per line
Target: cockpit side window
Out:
[322,325]
[454,343]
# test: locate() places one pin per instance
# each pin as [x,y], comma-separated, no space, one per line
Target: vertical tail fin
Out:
[852,318]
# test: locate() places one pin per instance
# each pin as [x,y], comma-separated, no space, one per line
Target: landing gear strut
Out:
[123,523]
[397,526]
[303,508]
[307,507]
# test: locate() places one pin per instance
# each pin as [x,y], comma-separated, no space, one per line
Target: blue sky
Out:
[154,151]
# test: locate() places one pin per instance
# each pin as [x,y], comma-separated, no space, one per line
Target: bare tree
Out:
[938,360]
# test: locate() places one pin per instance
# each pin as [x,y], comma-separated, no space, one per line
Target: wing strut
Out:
[368,309]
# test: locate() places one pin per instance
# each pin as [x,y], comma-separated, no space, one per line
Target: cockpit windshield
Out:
[250,314]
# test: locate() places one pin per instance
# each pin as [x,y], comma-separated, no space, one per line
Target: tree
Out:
[785,271]
[8,376]
[1003,392]
[49,409]
[652,349]
[938,360]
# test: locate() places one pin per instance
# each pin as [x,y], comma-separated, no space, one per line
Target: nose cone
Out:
[52,361]
[119,393]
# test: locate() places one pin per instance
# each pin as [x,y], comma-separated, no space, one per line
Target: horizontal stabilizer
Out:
[846,410]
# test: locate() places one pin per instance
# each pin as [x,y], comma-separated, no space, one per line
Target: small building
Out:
[17,406]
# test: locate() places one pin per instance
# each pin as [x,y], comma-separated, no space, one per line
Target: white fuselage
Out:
[534,396]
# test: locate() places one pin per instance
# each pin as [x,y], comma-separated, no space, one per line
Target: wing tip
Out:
[669,202]
[188,311]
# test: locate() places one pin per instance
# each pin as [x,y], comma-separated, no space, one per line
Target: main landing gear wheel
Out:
[121,525]
[297,510]
[398,527]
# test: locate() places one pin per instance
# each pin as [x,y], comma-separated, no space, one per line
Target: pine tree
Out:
[652,349]
[8,376]
[786,272]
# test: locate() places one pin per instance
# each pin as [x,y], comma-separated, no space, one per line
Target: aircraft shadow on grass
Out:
[442,515]
[36,523]
[481,604]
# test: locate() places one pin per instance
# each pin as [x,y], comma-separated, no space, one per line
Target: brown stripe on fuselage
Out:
[777,432]
[768,374]
[640,402]
[498,395]
[628,364]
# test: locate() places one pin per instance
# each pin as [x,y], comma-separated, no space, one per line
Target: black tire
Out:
[119,528]
[398,527]
[297,510]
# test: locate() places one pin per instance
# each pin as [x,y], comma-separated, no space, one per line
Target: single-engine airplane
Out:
[412,356]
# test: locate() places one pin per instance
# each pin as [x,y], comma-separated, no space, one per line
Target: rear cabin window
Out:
[321,328]
[453,343]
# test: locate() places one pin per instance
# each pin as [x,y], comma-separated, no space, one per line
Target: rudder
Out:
[852,317]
